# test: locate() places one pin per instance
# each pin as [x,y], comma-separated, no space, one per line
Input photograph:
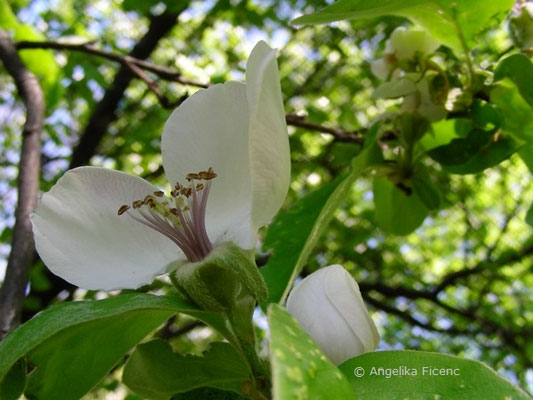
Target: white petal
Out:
[312,308]
[81,238]
[380,68]
[406,43]
[269,142]
[343,292]
[210,129]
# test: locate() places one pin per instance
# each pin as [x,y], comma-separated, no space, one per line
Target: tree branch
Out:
[22,245]
[339,134]
[136,67]
[508,258]
[412,320]
[105,112]
[166,73]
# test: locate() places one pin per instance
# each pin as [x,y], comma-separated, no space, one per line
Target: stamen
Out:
[207,175]
[190,177]
[123,209]
[182,219]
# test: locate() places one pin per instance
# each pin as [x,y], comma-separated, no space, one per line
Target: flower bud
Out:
[403,45]
[329,307]
[221,280]
[406,43]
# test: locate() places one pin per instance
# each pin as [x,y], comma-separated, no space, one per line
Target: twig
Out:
[136,66]
[505,259]
[339,134]
[414,321]
[165,102]
[22,245]
[166,73]
[106,110]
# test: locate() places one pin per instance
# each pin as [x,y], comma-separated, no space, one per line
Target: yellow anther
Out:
[190,177]
[207,175]
[186,191]
[137,203]
[200,186]
[123,209]
[159,193]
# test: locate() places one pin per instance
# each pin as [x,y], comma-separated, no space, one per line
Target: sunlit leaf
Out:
[442,18]
[299,368]
[420,375]
[156,372]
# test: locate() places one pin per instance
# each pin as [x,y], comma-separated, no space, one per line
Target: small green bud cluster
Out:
[408,72]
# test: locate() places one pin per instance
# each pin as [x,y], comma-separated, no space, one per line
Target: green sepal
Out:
[217,282]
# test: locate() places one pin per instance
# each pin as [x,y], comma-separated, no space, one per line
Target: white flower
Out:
[329,307]
[403,44]
[234,133]
[406,43]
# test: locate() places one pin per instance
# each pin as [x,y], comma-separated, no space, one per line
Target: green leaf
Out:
[478,151]
[287,238]
[155,372]
[484,116]
[40,62]
[207,393]
[431,376]
[529,215]
[439,17]
[526,154]
[295,232]
[425,189]
[144,6]
[518,114]
[299,368]
[395,88]
[459,151]
[395,211]
[73,345]
[519,69]
[441,133]
[12,386]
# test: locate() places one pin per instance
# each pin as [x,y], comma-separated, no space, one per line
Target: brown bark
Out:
[22,245]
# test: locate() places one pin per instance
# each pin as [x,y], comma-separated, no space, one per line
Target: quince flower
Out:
[402,45]
[226,153]
[328,306]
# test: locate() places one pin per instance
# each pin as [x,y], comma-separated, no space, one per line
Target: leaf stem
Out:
[466,51]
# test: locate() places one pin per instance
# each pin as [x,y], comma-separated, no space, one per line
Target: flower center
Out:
[180,217]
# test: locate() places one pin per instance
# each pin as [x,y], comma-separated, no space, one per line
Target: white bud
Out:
[403,44]
[406,43]
[329,307]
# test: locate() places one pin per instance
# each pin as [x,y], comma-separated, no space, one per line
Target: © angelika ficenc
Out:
[226,154]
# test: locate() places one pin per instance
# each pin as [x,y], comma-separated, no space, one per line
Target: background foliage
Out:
[452,275]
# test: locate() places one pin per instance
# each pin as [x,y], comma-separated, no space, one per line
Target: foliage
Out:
[432,217]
